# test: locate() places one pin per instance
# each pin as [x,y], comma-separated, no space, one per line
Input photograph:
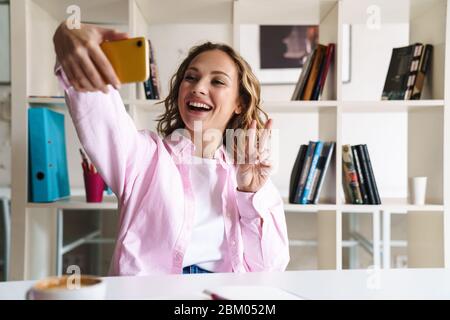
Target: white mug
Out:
[68,288]
[418,190]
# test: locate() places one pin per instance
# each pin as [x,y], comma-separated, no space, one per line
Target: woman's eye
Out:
[189,78]
[220,82]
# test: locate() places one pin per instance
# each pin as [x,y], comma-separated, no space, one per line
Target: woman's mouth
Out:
[199,107]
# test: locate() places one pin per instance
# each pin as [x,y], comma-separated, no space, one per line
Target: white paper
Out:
[251,293]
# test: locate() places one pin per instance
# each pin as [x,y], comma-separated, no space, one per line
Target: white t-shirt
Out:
[208,234]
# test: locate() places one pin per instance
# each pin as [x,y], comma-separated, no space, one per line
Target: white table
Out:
[347,284]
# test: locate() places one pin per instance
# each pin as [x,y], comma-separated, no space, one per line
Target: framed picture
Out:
[277,53]
[5,76]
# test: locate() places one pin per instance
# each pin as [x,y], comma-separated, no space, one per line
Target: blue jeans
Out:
[194,269]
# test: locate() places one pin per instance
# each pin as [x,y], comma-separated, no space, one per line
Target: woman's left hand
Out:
[254,172]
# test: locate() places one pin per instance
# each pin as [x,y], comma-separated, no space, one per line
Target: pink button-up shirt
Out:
[150,177]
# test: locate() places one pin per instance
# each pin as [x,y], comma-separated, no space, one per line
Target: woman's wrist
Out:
[246,190]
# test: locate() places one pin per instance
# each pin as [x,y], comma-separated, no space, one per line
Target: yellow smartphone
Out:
[129,58]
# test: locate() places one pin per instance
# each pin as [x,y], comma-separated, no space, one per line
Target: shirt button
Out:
[233,243]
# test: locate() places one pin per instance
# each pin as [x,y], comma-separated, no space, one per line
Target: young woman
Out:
[186,204]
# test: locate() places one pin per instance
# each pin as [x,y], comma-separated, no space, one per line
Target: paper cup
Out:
[418,190]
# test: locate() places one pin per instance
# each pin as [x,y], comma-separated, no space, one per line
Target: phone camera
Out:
[139,43]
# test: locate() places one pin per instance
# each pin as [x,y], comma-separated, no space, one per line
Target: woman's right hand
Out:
[83,61]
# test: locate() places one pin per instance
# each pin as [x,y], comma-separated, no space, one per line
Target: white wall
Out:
[370,56]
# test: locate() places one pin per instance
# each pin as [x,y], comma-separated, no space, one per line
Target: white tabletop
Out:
[347,284]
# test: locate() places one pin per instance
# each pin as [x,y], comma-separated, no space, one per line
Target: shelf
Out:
[290,12]
[289,106]
[345,243]
[57,101]
[110,12]
[221,11]
[392,205]
[301,208]
[413,129]
[390,106]
[157,105]
[186,12]
[298,106]
[150,105]
[78,203]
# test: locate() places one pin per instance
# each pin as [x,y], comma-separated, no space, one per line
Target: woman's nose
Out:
[199,88]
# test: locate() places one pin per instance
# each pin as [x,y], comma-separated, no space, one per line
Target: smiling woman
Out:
[214,75]
[185,202]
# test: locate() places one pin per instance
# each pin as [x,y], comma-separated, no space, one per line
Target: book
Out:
[371,175]
[361,179]
[148,84]
[316,87]
[305,171]
[350,176]
[323,72]
[314,73]
[296,173]
[347,191]
[309,179]
[152,86]
[368,186]
[418,48]
[322,167]
[148,89]
[397,77]
[154,74]
[424,65]
[315,178]
[303,76]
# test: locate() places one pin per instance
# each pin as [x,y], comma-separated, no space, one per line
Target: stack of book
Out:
[358,178]
[314,73]
[152,86]
[407,70]
[309,171]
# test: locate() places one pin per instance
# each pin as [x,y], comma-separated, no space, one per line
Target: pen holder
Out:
[94,186]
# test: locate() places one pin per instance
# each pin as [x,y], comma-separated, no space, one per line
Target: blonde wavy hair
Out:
[249,94]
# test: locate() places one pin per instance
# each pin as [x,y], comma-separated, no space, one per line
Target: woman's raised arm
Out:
[83,61]
[108,134]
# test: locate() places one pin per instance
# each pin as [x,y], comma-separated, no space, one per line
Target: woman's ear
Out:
[239,107]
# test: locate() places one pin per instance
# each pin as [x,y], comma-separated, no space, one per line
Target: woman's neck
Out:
[206,143]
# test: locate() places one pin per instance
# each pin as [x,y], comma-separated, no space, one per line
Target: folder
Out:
[48,174]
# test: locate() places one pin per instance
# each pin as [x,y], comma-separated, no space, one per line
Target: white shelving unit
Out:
[405,138]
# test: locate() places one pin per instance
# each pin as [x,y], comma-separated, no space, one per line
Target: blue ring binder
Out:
[48,174]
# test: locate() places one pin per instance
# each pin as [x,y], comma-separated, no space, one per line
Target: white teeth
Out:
[200,105]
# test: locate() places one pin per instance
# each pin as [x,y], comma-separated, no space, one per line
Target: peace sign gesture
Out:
[254,172]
